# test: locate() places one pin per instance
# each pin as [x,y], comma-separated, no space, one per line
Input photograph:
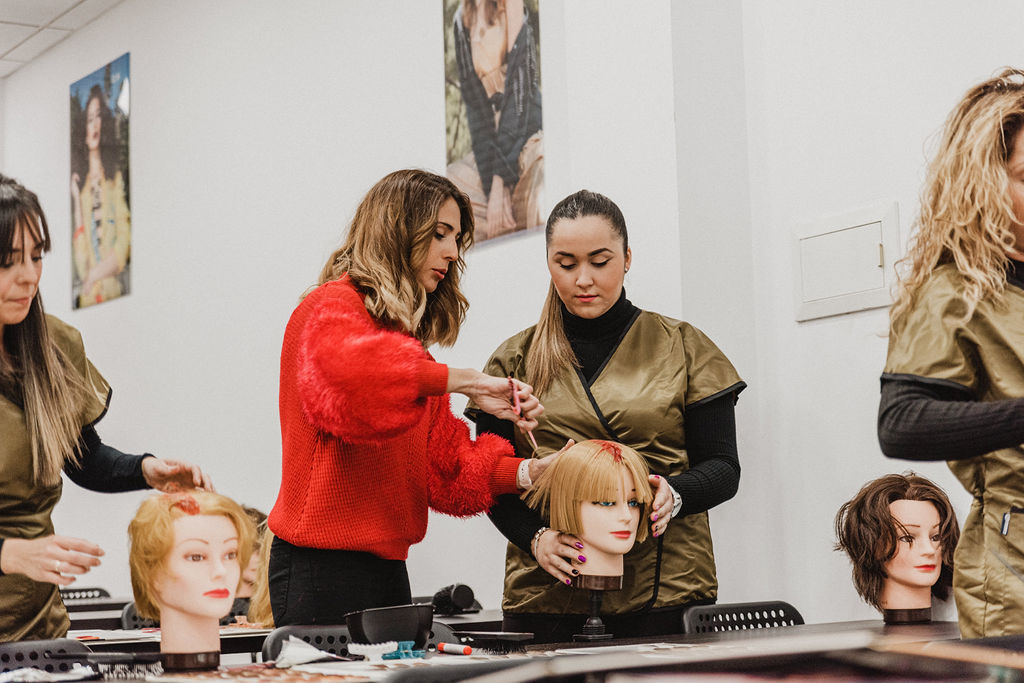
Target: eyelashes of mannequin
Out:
[599,473]
[874,539]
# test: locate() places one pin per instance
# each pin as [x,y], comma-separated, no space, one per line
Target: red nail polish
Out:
[656,476]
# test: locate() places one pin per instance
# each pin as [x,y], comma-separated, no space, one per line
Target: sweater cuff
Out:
[432,379]
[503,476]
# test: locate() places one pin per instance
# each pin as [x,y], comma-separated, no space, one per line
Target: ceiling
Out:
[29,28]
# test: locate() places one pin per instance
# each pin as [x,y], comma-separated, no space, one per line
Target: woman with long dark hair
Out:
[51,397]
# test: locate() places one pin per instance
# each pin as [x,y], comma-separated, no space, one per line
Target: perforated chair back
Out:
[35,654]
[332,638]
[335,638]
[131,620]
[72,594]
[739,616]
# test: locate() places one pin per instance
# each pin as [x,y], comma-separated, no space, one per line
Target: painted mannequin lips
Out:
[622,534]
[218,593]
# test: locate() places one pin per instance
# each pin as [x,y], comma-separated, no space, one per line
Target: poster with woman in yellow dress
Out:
[101,226]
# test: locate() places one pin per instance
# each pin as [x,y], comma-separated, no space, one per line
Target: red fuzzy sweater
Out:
[368,436]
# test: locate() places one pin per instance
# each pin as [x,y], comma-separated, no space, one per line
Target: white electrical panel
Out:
[845,263]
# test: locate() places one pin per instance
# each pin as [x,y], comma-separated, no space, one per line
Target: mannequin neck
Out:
[599,563]
[901,596]
[182,632]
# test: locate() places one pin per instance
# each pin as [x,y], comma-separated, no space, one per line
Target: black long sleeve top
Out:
[713,476]
[926,420]
[104,468]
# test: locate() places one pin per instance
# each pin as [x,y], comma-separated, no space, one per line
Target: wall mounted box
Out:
[845,263]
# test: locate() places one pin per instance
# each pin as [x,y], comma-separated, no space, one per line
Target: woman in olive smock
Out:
[50,398]
[606,369]
[953,386]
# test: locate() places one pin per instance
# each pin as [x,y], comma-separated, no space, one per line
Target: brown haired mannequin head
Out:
[186,554]
[900,532]
[598,491]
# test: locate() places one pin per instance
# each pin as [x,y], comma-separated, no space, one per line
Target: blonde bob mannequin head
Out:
[589,471]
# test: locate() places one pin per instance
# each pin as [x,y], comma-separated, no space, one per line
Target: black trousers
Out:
[560,628]
[314,586]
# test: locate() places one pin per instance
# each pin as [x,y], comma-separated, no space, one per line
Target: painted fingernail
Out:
[580,546]
[568,582]
[576,572]
[656,476]
[582,559]
[654,517]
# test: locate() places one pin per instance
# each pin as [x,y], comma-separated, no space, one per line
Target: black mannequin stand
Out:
[593,629]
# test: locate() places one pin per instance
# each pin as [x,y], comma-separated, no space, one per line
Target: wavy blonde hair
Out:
[966,212]
[151,538]
[34,373]
[550,351]
[388,240]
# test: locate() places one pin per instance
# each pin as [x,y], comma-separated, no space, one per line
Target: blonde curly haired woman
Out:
[953,386]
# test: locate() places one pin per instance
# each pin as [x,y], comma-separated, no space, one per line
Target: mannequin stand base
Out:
[593,629]
[907,616]
[191,661]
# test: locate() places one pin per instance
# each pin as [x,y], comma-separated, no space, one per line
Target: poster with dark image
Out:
[495,137]
[101,225]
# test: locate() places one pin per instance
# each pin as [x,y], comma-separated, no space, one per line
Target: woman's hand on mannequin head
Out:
[50,559]
[171,476]
[661,507]
[556,552]
[493,396]
[538,465]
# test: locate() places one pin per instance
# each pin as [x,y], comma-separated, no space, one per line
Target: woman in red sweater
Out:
[369,440]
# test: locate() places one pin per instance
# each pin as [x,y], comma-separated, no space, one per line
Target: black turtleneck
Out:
[924,420]
[594,339]
[714,471]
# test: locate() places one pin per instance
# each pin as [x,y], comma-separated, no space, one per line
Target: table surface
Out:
[832,649]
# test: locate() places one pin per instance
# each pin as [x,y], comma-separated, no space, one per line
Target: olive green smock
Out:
[28,609]
[660,368]
[985,356]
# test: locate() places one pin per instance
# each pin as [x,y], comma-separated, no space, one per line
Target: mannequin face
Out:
[610,526]
[918,556]
[202,571]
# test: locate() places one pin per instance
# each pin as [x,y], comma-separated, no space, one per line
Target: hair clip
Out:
[186,504]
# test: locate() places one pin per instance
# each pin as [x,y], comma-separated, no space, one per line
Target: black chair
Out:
[71,594]
[739,616]
[131,620]
[331,638]
[334,638]
[36,653]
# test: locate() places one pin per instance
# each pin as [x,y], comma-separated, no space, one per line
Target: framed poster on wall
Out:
[493,113]
[101,224]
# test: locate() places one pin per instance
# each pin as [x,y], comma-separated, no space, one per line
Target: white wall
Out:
[256,128]
[842,101]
